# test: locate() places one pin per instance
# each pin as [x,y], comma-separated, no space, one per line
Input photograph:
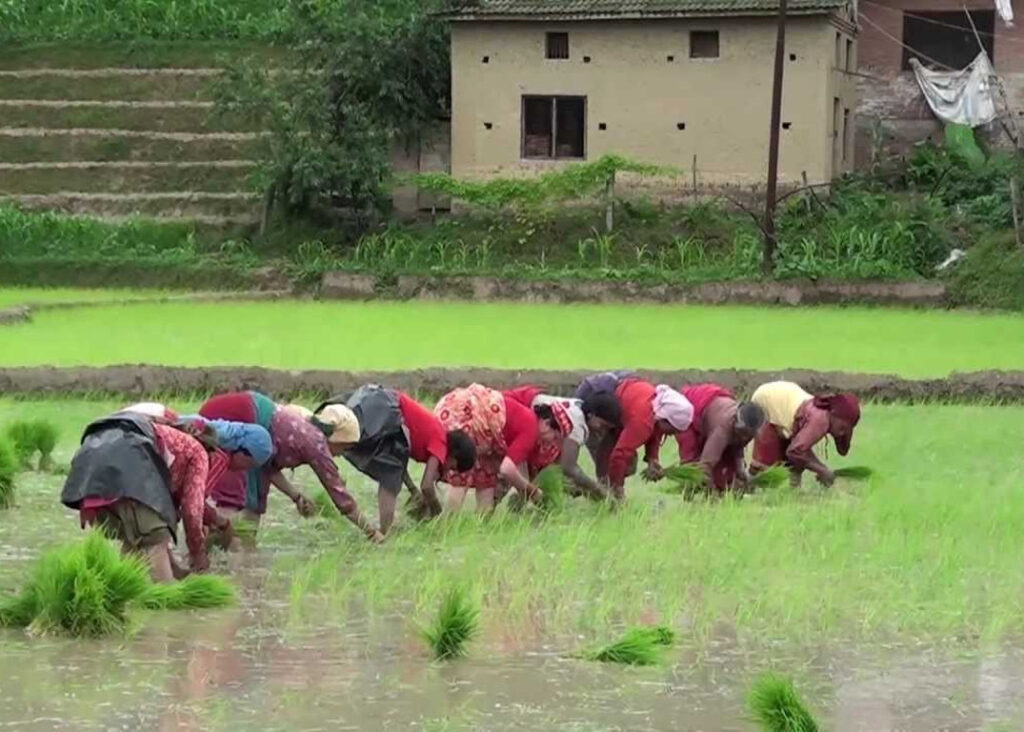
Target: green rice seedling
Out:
[79,589]
[457,623]
[771,478]
[776,707]
[855,472]
[638,647]
[46,435]
[551,481]
[8,473]
[684,479]
[325,508]
[195,592]
[661,634]
[21,436]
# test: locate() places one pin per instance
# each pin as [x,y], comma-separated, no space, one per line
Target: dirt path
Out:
[135,381]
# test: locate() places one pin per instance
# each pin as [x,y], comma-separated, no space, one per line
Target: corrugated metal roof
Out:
[577,9]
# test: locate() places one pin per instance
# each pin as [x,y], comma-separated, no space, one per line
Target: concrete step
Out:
[26,145]
[170,206]
[126,177]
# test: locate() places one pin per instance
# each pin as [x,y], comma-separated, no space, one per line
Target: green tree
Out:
[364,73]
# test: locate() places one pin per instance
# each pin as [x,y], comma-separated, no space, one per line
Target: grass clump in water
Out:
[457,623]
[551,481]
[31,436]
[8,471]
[638,647]
[87,588]
[771,478]
[776,707]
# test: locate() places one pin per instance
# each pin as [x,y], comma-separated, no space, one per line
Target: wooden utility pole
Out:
[773,145]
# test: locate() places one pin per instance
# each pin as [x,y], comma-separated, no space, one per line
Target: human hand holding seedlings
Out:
[653,472]
[827,477]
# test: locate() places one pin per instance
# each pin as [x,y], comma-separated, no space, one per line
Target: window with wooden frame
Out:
[556,46]
[554,127]
[946,39]
[703,44]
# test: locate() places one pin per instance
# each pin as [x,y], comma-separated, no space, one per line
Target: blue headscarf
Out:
[237,436]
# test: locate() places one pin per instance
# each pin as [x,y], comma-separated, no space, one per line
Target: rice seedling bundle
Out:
[325,507]
[771,478]
[776,707]
[855,472]
[31,436]
[457,623]
[684,479]
[638,647]
[88,587]
[551,481]
[195,592]
[8,472]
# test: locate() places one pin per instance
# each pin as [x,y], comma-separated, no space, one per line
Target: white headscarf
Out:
[673,407]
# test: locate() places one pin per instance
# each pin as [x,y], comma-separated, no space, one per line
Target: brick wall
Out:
[892,114]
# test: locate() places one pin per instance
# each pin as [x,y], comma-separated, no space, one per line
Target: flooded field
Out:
[894,605]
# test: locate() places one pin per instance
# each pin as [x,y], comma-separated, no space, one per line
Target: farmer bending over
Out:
[393,428]
[719,433]
[796,422]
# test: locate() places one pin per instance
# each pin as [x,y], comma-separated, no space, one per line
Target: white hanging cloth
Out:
[962,97]
[1005,10]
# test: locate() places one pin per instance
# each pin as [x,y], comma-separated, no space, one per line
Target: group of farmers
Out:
[141,470]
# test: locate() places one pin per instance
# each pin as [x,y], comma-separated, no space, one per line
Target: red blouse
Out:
[427,436]
[520,431]
[638,428]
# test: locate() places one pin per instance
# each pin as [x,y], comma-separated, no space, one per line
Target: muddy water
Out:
[257,667]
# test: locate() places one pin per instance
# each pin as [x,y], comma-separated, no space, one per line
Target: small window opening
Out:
[786,125]
[671,59]
[553,127]
[850,61]
[703,44]
[488,125]
[557,45]
[839,51]
[586,59]
[792,57]
[602,126]
[487,59]
[680,125]
[847,133]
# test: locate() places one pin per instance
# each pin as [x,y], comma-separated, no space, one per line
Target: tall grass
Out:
[9,465]
[776,706]
[39,21]
[87,588]
[457,623]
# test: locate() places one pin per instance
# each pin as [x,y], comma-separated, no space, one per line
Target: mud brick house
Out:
[892,114]
[541,82]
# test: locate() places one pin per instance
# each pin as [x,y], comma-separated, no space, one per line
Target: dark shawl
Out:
[383,448]
[119,458]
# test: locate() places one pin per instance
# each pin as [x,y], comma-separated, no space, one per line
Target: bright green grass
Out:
[395,336]
[24,295]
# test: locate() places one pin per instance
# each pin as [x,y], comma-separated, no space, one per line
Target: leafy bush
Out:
[991,275]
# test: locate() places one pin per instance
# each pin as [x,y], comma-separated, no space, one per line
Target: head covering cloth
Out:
[672,407]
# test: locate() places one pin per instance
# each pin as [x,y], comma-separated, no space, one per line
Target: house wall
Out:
[641,97]
[892,114]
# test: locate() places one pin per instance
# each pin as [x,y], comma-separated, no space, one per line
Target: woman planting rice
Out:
[649,413]
[602,387]
[299,439]
[599,413]
[393,428]
[718,434]
[796,422]
[133,477]
[505,433]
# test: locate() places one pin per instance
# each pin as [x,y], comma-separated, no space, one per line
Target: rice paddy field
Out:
[894,603]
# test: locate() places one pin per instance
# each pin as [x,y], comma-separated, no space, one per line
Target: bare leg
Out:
[386,501]
[456,495]
[484,500]
[161,566]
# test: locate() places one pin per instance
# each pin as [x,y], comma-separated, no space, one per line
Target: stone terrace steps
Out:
[116,142]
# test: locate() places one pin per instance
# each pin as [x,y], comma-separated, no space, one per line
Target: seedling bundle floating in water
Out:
[643,646]
[776,707]
[87,588]
[30,437]
[457,623]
